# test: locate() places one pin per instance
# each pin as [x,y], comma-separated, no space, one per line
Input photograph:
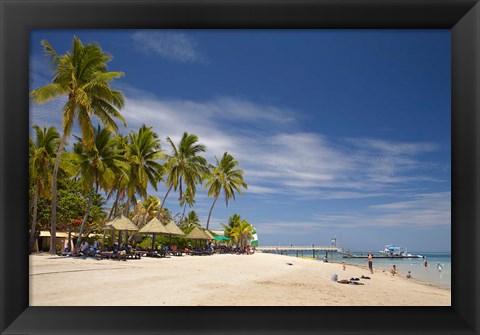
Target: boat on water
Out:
[390,251]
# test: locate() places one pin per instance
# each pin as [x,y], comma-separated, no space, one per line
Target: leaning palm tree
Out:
[42,159]
[98,165]
[224,177]
[185,168]
[81,75]
[142,153]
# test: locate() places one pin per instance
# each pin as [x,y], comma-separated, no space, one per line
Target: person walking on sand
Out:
[370,262]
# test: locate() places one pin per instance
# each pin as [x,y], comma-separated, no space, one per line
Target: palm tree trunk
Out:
[89,206]
[34,218]
[113,211]
[164,199]
[210,213]
[53,220]
[183,213]
[127,206]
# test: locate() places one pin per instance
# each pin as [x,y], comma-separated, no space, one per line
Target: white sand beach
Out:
[230,280]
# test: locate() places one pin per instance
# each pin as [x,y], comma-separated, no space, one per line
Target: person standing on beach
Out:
[370,262]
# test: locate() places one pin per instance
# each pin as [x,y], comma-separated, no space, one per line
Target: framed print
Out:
[401,174]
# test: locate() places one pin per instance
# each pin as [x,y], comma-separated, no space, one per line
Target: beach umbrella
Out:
[210,236]
[121,223]
[197,234]
[221,238]
[173,229]
[154,226]
[254,242]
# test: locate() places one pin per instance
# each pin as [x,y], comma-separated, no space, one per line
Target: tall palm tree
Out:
[120,182]
[185,168]
[224,177]
[42,159]
[98,165]
[142,153]
[81,75]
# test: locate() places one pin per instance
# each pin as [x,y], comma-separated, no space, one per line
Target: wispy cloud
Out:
[276,156]
[170,45]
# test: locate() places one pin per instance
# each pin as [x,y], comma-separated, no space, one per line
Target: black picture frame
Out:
[18,17]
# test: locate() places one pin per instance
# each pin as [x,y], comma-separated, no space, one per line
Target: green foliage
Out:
[71,206]
[238,231]
[226,177]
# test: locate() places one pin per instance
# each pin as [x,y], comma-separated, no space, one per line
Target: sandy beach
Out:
[231,280]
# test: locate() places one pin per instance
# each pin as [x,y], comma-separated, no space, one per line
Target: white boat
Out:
[394,251]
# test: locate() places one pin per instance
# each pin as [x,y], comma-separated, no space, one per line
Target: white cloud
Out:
[171,45]
[276,157]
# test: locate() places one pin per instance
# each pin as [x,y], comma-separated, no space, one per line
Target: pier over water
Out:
[299,249]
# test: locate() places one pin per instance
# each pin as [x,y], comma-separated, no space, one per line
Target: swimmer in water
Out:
[439,267]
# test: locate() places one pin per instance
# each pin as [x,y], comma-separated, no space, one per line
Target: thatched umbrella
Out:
[173,229]
[210,236]
[198,233]
[121,223]
[154,226]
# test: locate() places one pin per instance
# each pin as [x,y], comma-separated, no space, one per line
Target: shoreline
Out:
[218,280]
[378,267]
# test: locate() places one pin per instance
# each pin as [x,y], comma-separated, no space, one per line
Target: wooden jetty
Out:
[299,249]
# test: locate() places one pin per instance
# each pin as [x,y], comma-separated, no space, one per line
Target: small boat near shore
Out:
[390,251]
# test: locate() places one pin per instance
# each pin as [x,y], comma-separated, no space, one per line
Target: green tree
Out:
[120,182]
[42,159]
[98,165]
[81,75]
[190,221]
[241,233]
[184,167]
[186,199]
[142,153]
[226,177]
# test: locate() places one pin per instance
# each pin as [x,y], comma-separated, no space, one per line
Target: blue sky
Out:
[340,132]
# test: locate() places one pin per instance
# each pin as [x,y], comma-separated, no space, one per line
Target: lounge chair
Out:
[111,255]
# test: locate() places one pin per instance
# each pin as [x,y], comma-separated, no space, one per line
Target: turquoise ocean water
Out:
[430,274]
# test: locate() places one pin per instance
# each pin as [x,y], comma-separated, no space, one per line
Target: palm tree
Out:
[42,158]
[233,221]
[98,165]
[224,177]
[241,233]
[186,199]
[120,182]
[81,75]
[190,221]
[142,154]
[184,167]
